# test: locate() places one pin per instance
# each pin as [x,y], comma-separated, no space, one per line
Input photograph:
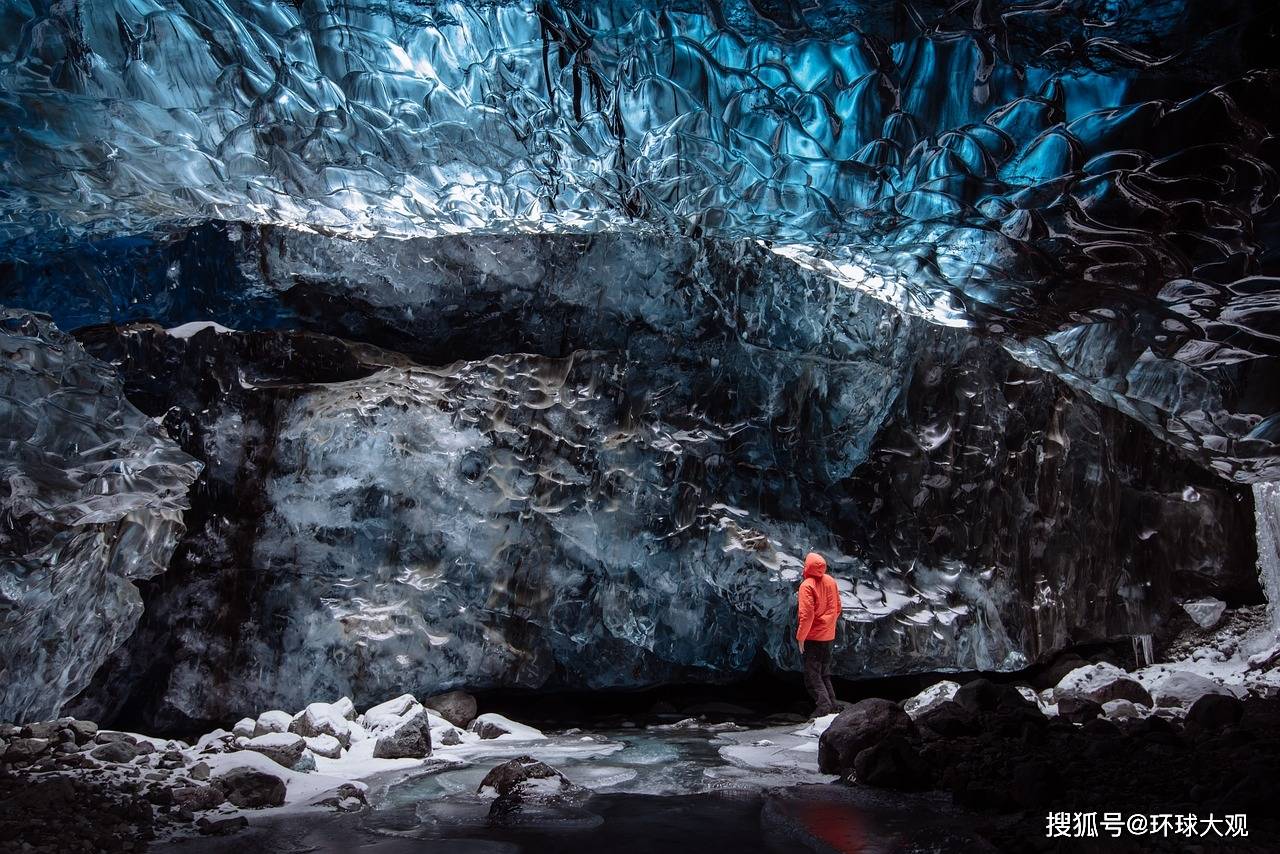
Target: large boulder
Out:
[1182,688]
[252,789]
[983,695]
[324,745]
[858,727]
[324,719]
[1212,712]
[115,751]
[525,780]
[948,719]
[1101,683]
[457,707]
[272,721]
[389,713]
[892,764]
[283,748]
[1079,710]
[409,738]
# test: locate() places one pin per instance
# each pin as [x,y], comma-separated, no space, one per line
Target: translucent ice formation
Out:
[91,500]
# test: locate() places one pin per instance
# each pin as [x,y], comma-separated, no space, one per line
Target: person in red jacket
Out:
[818,604]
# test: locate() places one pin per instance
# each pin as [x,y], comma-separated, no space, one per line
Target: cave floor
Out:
[661,792]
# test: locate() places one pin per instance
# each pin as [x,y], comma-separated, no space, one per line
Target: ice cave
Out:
[532,426]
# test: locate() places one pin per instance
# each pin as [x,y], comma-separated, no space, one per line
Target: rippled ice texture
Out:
[1095,180]
[91,499]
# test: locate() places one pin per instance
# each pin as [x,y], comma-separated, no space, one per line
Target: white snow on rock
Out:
[324,745]
[300,788]
[1206,612]
[930,698]
[324,719]
[1091,682]
[391,713]
[273,721]
[1118,710]
[1181,688]
[245,727]
[511,731]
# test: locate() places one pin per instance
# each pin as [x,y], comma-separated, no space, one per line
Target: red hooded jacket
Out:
[818,601]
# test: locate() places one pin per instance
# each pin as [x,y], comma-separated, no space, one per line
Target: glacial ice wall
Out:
[91,501]
[1095,181]
[612,487]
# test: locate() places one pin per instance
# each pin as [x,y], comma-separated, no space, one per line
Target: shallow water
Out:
[651,791]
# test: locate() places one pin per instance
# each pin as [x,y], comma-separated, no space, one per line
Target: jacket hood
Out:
[815,565]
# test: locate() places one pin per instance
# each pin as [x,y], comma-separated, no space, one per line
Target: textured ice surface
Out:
[91,500]
[630,507]
[1095,180]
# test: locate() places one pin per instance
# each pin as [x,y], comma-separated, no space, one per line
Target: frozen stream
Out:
[669,791]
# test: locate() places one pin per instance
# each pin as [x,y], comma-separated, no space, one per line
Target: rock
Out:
[84,731]
[26,749]
[930,698]
[983,695]
[1183,688]
[862,725]
[1078,710]
[324,745]
[252,789]
[490,725]
[348,798]
[409,739]
[892,764]
[1120,710]
[324,719]
[283,748]
[1213,712]
[245,728]
[221,826]
[949,719]
[1205,612]
[109,737]
[115,751]
[390,712]
[41,729]
[451,738]
[306,763]
[457,707]
[199,771]
[525,780]
[1101,683]
[272,721]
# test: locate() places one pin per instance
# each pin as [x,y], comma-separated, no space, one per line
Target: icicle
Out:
[1143,651]
[1266,501]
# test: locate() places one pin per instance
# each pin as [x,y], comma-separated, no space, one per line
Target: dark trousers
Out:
[817,675]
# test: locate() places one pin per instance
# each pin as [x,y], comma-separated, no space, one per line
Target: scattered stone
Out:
[408,739]
[111,737]
[457,707]
[860,726]
[115,751]
[451,738]
[324,745]
[198,798]
[1205,613]
[324,719]
[222,826]
[272,721]
[252,789]
[283,748]
[983,695]
[1119,710]
[199,771]
[1182,688]
[245,728]
[1101,683]
[348,798]
[524,780]
[1213,712]
[1079,710]
[25,749]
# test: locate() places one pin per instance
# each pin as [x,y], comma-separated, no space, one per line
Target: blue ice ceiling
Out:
[1093,181]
